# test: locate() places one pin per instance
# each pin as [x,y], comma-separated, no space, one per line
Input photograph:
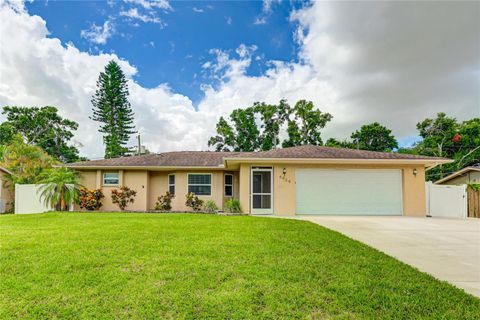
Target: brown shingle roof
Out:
[320,152]
[167,159]
[215,159]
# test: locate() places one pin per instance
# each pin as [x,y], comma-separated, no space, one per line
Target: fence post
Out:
[473,203]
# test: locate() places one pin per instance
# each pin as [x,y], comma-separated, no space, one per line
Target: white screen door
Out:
[262,191]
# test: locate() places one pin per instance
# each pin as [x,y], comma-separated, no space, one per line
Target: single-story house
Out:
[467,175]
[5,196]
[311,180]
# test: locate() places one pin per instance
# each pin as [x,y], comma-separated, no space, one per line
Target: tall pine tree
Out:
[112,109]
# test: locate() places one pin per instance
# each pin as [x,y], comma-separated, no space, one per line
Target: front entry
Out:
[261,191]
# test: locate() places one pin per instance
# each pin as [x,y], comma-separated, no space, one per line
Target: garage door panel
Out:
[349,192]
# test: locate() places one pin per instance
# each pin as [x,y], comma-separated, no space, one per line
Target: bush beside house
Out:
[123,196]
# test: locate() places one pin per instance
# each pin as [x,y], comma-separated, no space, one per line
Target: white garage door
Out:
[349,192]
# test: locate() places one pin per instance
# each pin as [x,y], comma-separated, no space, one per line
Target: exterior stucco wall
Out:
[466,178]
[284,202]
[89,179]
[5,192]
[414,201]
[244,196]
[151,184]
[137,180]
[158,186]
[181,188]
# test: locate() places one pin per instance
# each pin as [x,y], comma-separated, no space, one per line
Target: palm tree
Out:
[60,187]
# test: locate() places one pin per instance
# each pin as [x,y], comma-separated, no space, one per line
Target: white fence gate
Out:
[446,201]
[27,199]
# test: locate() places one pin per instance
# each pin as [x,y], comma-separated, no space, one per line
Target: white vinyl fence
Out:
[446,201]
[27,199]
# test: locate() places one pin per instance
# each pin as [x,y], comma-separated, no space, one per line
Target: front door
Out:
[262,191]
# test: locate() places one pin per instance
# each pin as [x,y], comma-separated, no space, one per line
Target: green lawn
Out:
[124,265]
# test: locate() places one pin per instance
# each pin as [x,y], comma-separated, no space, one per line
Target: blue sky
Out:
[189,63]
[173,49]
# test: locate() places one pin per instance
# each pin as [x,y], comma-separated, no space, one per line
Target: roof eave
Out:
[5,170]
[152,168]
[456,174]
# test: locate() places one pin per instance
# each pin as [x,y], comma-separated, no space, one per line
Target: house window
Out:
[200,184]
[171,183]
[110,179]
[228,185]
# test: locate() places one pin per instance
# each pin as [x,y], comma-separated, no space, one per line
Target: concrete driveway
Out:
[448,249]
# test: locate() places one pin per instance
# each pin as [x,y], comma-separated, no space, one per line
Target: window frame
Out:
[171,184]
[227,185]
[199,184]
[111,184]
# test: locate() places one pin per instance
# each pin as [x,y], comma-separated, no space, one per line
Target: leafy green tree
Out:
[60,188]
[42,127]
[7,132]
[332,142]
[272,117]
[445,137]
[257,128]
[247,132]
[25,162]
[225,138]
[374,137]
[437,136]
[304,124]
[467,143]
[241,135]
[112,109]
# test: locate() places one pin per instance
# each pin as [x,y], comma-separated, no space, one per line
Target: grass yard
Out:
[125,265]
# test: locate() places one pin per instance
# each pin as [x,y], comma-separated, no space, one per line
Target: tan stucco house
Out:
[5,196]
[311,180]
[467,175]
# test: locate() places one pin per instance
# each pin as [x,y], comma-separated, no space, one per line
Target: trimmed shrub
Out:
[164,202]
[210,206]
[123,197]
[192,201]
[233,206]
[90,199]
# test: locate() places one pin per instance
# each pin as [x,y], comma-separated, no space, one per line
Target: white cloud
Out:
[389,65]
[354,64]
[229,20]
[134,14]
[267,5]
[151,4]
[225,68]
[260,20]
[198,10]
[99,34]
[266,11]
[244,51]
[37,70]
